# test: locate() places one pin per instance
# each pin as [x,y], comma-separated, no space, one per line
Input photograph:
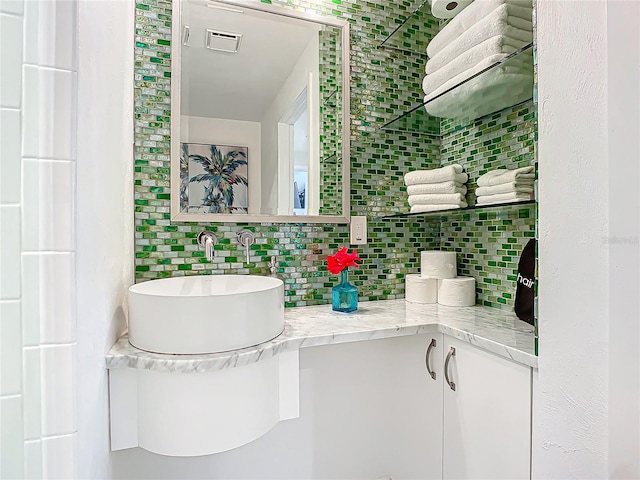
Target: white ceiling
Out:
[238,86]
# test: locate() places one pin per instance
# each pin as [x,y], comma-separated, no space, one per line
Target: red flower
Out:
[341,260]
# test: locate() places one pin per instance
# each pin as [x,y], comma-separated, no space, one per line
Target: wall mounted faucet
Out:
[207,240]
[246,239]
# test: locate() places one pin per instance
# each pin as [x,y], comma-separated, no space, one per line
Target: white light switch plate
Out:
[358,230]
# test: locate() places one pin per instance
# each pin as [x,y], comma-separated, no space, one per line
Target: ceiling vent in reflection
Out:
[223,41]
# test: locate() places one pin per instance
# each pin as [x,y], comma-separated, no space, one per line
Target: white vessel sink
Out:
[205,313]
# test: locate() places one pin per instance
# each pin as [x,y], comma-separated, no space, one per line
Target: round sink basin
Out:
[205,313]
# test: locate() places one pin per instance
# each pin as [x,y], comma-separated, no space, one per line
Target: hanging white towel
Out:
[432,208]
[475,13]
[503,175]
[494,24]
[443,187]
[504,198]
[438,199]
[496,45]
[487,93]
[450,173]
[521,186]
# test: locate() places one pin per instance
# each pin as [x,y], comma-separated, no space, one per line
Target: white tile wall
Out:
[31,287]
[12,451]
[56,298]
[56,105]
[48,204]
[57,368]
[59,457]
[33,459]
[32,393]
[9,252]
[38,426]
[30,108]
[10,348]
[48,115]
[10,156]
[50,20]
[10,60]
[16,7]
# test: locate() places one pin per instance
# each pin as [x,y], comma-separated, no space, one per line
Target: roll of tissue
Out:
[448,8]
[421,290]
[438,264]
[457,292]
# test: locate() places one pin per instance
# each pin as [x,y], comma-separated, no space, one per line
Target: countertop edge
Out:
[123,355]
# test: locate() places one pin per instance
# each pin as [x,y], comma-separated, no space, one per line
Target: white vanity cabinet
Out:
[482,429]
[361,402]
[487,418]
[416,406]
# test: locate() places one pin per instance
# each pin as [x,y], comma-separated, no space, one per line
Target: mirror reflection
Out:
[261,113]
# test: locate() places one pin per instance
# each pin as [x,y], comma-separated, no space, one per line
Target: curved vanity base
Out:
[189,414]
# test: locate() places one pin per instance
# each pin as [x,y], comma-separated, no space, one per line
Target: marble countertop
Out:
[494,330]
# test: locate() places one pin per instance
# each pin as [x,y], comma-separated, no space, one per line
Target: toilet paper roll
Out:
[438,264]
[448,8]
[420,289]
[457,292]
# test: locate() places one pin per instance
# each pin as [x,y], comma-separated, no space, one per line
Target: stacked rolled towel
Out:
[482,35]
[436,189]
[505,186]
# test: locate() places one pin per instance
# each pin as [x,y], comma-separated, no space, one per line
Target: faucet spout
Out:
[207,240]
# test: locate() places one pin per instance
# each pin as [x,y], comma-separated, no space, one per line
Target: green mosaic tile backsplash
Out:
[384,82]
[489,244]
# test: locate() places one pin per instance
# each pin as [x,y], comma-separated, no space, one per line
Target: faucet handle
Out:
[207,239]
[246,239]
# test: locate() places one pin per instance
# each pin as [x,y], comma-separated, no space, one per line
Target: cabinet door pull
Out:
[452,353]
[427,356]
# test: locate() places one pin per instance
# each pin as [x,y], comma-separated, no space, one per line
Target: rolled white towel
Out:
[521,186]
[450,173]
[503,175]
[438,199]
[474,13]
[498,44]
[504,198]
[432,208]
[433,85]
[443,187]
[495,24]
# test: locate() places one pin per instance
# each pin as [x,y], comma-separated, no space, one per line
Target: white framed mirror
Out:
[260,114]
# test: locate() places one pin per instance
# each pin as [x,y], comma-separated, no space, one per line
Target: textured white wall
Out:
[104,213]
[623,54]
[572,397]
[38,421]
[587,397]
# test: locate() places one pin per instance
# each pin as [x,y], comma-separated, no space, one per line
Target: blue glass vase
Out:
[344,296]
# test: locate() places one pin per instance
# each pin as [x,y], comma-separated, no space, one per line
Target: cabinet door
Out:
[415,407]
[487,418]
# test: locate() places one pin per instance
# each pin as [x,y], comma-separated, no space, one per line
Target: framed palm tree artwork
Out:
[213,178]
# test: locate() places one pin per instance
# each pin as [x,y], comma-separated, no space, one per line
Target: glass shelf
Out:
[488,91]
[413,34]
[457,211]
